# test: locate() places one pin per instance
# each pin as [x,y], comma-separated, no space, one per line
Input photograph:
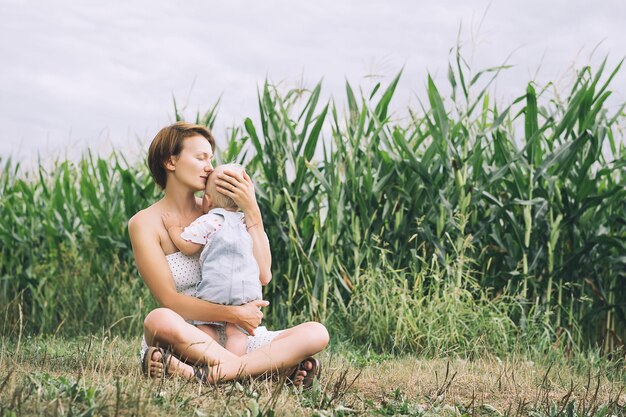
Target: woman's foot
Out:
[305,373]
[296,376]
[159,364]
[313,368]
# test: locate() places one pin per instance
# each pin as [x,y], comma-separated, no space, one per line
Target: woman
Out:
[180,162]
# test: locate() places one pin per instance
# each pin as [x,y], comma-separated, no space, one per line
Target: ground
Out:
[101,376]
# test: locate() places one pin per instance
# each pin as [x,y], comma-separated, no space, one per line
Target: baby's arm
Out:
[171,222]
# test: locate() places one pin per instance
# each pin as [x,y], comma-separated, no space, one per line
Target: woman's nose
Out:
[209,167]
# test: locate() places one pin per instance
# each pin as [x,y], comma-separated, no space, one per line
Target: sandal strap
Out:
[291,377]
[311,374]
[201,372]
[165,360]
[145,363]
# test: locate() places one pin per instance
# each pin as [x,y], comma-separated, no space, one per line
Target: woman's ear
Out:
[170,164]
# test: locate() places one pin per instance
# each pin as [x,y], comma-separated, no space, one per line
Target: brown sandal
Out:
[311,374]
[165,360]
[201,373]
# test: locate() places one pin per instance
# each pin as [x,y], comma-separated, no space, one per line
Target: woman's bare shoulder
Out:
[150,217]
[146,217]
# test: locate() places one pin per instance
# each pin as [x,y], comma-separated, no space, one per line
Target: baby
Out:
[230,273]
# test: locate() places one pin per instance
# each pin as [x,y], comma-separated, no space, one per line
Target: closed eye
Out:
[204,155]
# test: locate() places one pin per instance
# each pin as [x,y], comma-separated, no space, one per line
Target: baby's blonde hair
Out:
[218,199]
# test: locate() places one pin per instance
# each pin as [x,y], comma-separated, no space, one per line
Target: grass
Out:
[468,259]
[101,376]
[522,202]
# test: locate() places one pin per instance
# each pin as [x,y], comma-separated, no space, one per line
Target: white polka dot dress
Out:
[187,273]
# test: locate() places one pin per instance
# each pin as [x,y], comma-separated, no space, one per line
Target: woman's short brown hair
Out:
[169,142]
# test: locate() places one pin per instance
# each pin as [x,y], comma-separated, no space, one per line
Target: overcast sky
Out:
[101,74]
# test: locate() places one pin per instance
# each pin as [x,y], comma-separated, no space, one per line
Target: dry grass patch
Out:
[511,386]
[89,376]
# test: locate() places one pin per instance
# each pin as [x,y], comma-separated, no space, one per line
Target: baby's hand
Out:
[170,220]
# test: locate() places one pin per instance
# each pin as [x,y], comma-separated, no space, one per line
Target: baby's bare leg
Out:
[210,330]
[236,340]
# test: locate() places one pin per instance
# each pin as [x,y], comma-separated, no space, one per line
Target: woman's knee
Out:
[316,334]
[161,323]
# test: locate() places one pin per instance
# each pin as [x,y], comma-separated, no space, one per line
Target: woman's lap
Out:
[262,337]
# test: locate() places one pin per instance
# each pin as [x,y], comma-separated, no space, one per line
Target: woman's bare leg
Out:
[175,367]
[163,327]
[283,353]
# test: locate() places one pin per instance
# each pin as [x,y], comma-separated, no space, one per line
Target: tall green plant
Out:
[520,202]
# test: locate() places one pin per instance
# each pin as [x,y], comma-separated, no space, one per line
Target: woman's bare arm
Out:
[155,272]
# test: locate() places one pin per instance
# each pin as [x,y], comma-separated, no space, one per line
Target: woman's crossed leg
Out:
[164,327]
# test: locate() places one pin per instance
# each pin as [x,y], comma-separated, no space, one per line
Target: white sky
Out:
[99,74]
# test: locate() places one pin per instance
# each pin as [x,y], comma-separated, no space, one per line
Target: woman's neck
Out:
[179,200]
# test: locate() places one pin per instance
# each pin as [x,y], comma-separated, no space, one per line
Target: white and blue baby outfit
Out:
[230,273]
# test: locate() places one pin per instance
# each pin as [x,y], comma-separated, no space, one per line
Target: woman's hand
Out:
[249,316]
[240,188]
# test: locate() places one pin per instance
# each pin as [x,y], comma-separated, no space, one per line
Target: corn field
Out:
[466,220]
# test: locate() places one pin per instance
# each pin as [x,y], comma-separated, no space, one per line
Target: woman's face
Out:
[193,165]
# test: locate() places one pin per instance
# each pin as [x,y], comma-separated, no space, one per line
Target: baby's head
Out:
[213,198]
